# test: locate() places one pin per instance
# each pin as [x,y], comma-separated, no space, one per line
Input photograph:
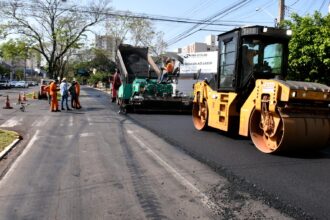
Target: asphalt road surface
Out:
[298,183]
[94,163]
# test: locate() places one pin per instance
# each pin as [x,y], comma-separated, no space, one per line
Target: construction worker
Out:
[65,94]
[77,86]
[116,83]
[169,67]
[72,91]
[53,93]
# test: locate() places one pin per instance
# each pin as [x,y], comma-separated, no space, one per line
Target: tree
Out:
[14,51]
[158,45]
[309,58]
[139,31]
[84,68]
[4,72]
[53,27]
[101,62]
[118,27]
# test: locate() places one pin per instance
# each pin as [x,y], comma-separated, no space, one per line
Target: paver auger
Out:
[250,94]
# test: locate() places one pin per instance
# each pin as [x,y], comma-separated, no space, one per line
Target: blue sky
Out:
[201,9]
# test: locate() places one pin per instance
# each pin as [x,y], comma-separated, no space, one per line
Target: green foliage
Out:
[101,62]
[99,77]
[4,71]
[19,74]
[14,50]
[309,58]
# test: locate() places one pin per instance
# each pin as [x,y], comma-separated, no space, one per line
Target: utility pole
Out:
[281,7]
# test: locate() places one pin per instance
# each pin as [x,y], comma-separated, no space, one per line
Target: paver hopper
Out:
[140,89]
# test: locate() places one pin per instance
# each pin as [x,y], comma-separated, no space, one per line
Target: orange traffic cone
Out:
[19,98]
[24,97]
[7,106]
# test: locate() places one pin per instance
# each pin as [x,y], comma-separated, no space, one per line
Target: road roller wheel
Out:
[266,131]
[200,115]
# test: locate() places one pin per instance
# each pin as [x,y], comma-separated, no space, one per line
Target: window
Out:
[261,58]
[273,57]
[227,62]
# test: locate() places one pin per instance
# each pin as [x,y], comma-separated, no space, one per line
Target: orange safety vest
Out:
[169,67]
[52,88]
[77,86]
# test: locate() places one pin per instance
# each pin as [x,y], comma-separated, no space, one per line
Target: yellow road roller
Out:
[249,95]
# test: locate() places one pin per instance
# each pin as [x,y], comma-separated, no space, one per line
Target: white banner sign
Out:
[205,61]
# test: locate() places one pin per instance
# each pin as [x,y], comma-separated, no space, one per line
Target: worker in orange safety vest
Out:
[53,93]
[77,86]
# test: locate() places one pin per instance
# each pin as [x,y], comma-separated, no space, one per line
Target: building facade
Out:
[210,44]
[107,43]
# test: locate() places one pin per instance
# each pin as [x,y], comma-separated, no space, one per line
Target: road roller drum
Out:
[294,132]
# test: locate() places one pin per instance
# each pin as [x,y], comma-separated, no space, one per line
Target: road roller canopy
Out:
[250,53]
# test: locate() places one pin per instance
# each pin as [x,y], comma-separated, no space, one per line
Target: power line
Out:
[209,20]
[144,16]
[324,1]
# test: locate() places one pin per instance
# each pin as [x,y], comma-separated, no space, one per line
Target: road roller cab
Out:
[251,96]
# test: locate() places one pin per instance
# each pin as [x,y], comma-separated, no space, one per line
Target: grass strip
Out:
[6,138]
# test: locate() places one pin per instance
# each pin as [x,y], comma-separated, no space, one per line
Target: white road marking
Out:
[40,122]
[12,122]
[69,136]
[34,124]
[87,135]
[71,121]
[17,161]
[89,120]
[204,198]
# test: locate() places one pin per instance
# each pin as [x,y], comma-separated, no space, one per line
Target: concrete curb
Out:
[8,148]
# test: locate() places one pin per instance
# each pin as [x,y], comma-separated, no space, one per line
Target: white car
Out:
[4,84]
[12,83]
[21,84]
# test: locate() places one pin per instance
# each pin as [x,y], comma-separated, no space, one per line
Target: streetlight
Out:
[269,14]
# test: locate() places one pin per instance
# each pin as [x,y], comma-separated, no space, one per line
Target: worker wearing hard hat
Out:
[64,94]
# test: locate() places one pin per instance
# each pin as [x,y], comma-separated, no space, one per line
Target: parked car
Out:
[12,83]
[4,84]
[21,84]
[42,88]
